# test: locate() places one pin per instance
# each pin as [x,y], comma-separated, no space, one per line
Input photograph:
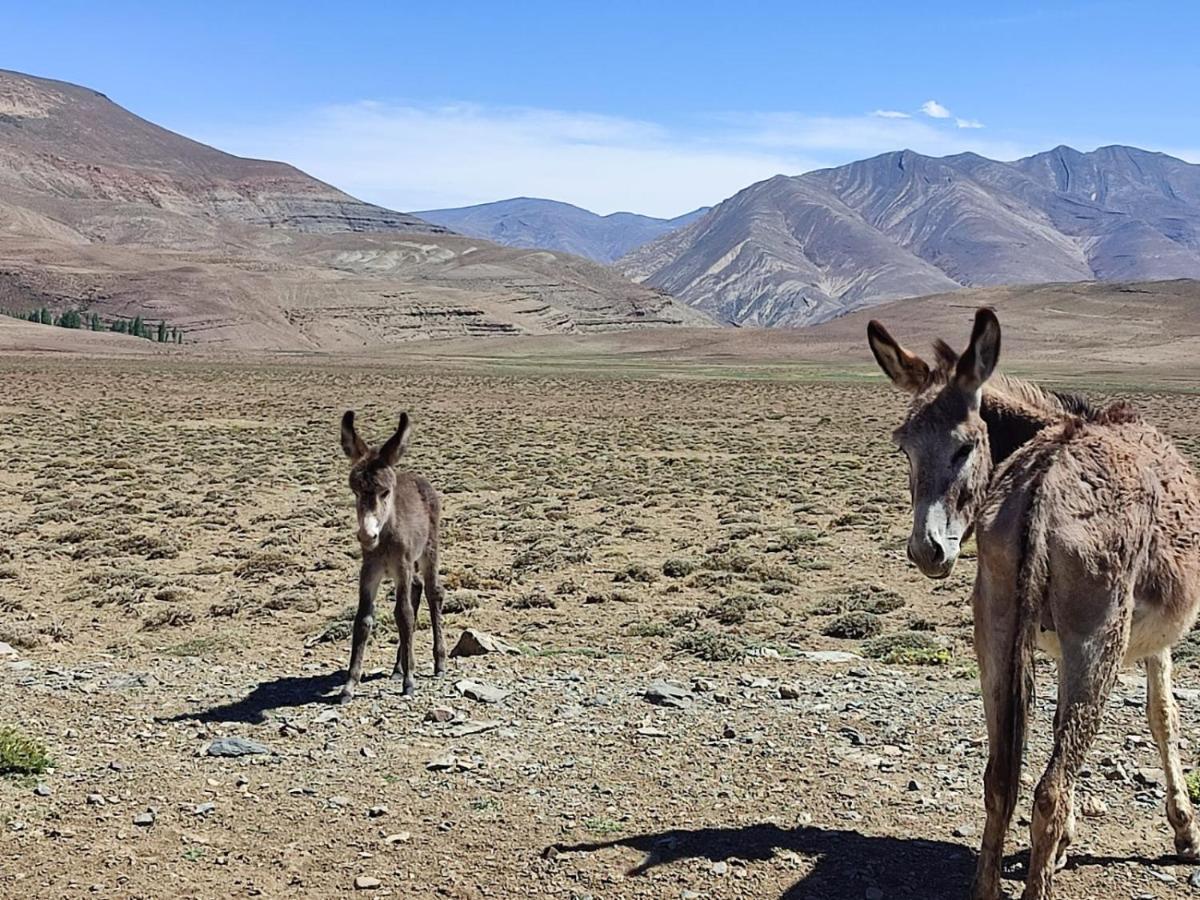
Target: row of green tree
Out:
[73,318]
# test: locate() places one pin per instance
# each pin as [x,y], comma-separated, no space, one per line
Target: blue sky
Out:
[657,107]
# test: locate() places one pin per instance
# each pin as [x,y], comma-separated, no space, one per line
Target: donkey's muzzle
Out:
[932,557]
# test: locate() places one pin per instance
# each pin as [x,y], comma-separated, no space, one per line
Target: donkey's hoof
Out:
[1187,847]
[409,684]
[346,695]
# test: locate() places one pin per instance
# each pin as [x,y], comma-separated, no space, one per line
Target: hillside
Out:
[806,249]
[551,225]
[104,211]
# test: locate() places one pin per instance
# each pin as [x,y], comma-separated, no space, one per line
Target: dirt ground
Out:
[177,562]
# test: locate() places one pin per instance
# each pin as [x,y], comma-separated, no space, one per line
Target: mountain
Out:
[805,249]
[103,211]
[551,225]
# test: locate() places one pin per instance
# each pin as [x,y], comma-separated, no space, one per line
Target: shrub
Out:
[21,755]
[854,625]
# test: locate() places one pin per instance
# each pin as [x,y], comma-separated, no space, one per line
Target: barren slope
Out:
[103,211]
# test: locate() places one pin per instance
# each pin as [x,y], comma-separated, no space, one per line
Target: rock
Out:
[236,746]
[443,762]
[914,785]
[720,867]
[439,714]
[963,831]
[650,731]
[479,643]
[144,820]
[42,789]
[1093,807]
[1149,777]
[339,801]
[666,693]
[470,727]
[1194,881]
[7,649]
[789,692]
[95,800]
[828,656]
[377,812]
[203,809]
[327,717]
[480,692]
[366,883]
[400,837]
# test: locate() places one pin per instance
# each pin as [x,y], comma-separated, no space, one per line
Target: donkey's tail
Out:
[1032,585]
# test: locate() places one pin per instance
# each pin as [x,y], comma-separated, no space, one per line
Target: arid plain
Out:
[178,564]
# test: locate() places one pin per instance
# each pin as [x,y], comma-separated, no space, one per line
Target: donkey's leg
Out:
[413,598]
[1091,659]
[406,623]
[433,591]
[1068,837]
[364,618]
[1164,725]
[995,630]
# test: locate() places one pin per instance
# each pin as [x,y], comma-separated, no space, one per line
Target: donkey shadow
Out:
[280,693]
[847,863]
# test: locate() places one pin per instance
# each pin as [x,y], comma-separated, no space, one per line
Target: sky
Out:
[654,106]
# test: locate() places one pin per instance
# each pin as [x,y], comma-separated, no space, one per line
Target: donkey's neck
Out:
[1014,411]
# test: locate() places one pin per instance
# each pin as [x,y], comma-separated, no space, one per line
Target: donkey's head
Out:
[372,477]
[943,436]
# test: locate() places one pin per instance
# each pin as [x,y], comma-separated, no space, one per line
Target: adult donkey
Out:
[1088,526]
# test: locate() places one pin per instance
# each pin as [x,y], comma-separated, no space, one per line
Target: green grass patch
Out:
[20,754]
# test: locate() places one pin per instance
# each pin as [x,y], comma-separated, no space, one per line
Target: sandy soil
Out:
[178,560]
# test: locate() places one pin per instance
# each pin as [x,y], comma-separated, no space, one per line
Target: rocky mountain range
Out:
[549,224]
[105,212]
[805,249]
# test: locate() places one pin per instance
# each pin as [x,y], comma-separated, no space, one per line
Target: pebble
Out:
[480,692]
[7,649]
[203,809]
[1093,807]
[789,692]
[439,714]
[236,746]
[720,868]
[42,789]
[376,812]
[95,800]
[1194,881]
[963,831]
[144,820]
[338,801]
[669,694]
[400,837]
[366,883]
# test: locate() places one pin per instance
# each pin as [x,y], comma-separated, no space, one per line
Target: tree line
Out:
[73,318]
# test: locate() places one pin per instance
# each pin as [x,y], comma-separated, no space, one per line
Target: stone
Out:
[964,831]
[480,692]
[203,809]
[366,883]
[479,643]
[666,693]
[828,656]
[339,801]
[236,746]
[720,867]
[1194,881]
[443,762]
[1093,807]
[7,649]
[95,800]
[144,820]
[400,837]
[439,714]
[42,789]
[789,692]
[377,812]
[470,727]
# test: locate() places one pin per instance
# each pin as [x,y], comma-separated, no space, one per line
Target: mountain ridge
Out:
[537,222]
[795,250]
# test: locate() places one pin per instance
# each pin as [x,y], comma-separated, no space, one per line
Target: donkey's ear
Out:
[907,370]
[354,446]
[978,363]
[397,443]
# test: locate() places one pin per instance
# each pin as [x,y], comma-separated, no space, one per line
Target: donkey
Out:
[398,520]
[1088,535]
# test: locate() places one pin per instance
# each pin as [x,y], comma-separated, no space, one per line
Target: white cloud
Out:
[890,114]
[414,157]
[968,123]
[935,110]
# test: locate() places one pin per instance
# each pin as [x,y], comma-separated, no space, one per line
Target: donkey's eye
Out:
[385,493]
[961,454]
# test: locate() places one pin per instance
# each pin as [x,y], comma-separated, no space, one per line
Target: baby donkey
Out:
[398,517]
